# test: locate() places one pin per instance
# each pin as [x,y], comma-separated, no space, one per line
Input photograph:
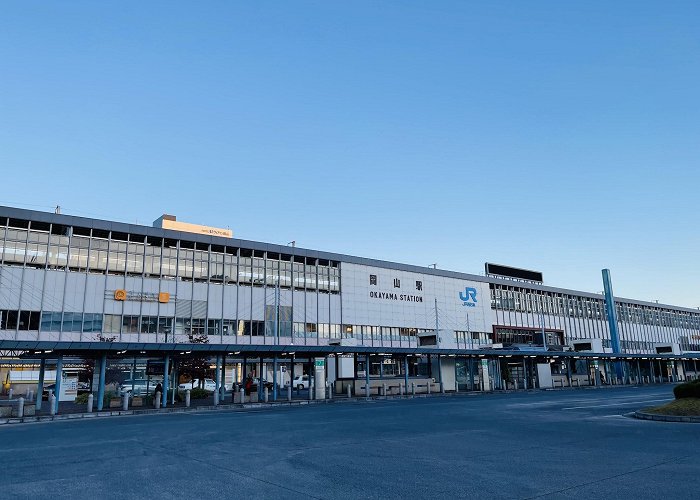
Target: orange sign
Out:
[163,297]
[119,294]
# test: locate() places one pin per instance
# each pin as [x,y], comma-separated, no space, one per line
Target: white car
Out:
[301,382]
[209,385]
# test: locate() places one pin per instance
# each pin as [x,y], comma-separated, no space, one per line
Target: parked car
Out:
[140,385]
[208,385]
[301,382]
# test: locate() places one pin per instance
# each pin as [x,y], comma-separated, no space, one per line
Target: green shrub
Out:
[82,399]
[687,390]
[198,393]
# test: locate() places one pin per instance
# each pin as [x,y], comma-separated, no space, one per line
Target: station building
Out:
[78,286]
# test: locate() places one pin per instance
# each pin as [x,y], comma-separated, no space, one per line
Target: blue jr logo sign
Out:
[468,297]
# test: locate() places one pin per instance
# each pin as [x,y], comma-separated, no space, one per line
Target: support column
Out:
[101,383]
[260,382]
[471,373]
[568,371]
[166,381]
[174,383]
[222,391]
[291,373]
[639,374]
[244,372]
[405,374]
[274,378]
[367,389]
[40,387]
[442,386]
[217,378]
[59,379]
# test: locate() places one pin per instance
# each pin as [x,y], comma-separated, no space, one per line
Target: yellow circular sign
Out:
[120,295]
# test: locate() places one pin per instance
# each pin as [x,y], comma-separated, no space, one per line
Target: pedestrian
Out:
[159,388]
[248,385]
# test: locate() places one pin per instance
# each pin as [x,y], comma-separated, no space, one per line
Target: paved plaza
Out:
[553,444]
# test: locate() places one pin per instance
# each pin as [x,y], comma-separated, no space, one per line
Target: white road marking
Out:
[617,404]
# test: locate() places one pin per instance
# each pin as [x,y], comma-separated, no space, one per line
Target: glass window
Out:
[92,323]
[134,260]
[112,322]
[152,258]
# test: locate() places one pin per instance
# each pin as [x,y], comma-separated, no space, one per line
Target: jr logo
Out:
[468,297]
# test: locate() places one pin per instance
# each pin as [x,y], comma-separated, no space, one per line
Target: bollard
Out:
[125,402]
[20,407]
[330,391]
[289,392]
[428,386]
[90,402]
[442,387]
[413,388]
[456,387]
[52,405]
[311,391]
[503,384]
[401,389]
[216,398]
[384,389]
[367,390]
[187,398]
[31,395]
[11,391]
[349,391]
[157,400]
[242,393]
[266,394]
[50,394]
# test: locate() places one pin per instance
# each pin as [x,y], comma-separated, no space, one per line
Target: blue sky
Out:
[556,136]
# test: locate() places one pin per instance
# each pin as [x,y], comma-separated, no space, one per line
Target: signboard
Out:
[123,295]
[321,363]
[155,368]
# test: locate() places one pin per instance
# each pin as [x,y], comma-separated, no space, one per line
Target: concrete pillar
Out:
[90,402]
[40,387]
[187,398]
[20,407]
[349,391]
[125,401]
[53,403]
[101,382]
[157,399]
[260,375]
[59,379]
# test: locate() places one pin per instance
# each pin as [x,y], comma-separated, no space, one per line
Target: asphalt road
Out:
[566,444]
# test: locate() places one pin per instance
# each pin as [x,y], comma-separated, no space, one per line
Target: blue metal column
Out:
[40,387]
[612,319]
[291,374]
[405,374]
[166,369]
[217,376]
[59,378]
[101,383]
[260,383]
[367,389]
[274,379]
[222,391]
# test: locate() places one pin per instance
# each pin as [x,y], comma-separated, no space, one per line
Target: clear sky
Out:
[557,136]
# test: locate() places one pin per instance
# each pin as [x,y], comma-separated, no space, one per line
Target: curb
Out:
[245,407]
[665,418]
